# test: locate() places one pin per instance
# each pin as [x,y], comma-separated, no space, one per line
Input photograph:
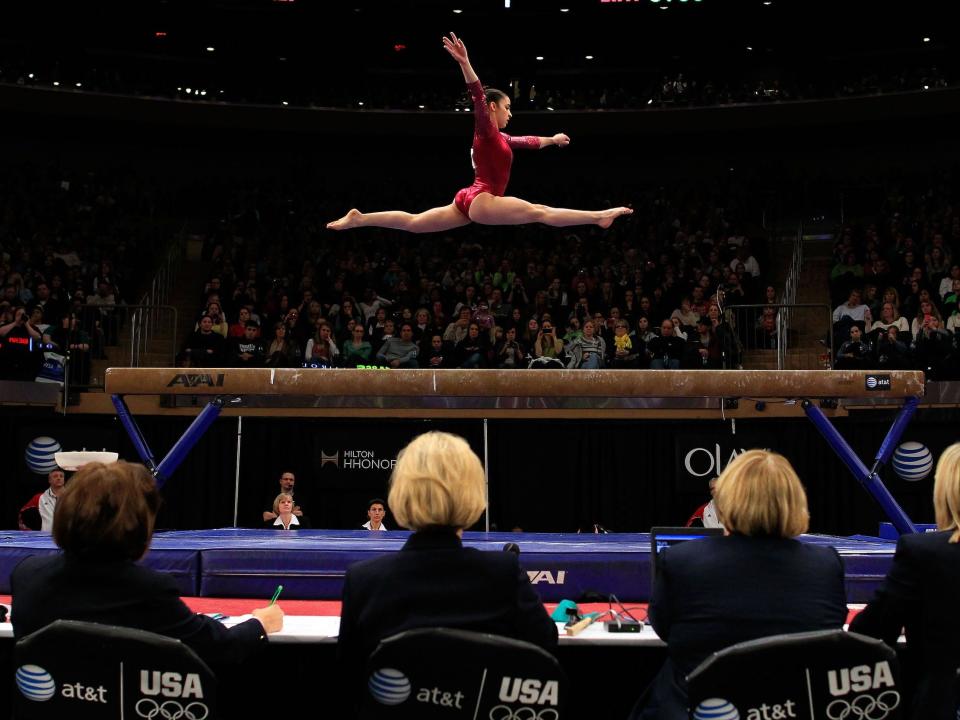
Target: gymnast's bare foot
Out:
[351,219]
[608,216]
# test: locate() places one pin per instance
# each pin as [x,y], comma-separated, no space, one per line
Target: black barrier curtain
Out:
[629,476]
[200,492]
[550,476]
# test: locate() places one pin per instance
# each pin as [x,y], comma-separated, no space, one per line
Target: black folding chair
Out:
[445,673]
[87,671]
[824,675]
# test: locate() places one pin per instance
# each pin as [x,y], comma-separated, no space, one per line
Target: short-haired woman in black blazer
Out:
[921,594]
[437,489]
[756,580]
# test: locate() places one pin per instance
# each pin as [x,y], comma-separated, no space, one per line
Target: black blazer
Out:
[921,593]
[712,593]
[54,587]
[433,581]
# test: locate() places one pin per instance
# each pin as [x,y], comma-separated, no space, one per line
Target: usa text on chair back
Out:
[86,671]
[445,673]
[803,676]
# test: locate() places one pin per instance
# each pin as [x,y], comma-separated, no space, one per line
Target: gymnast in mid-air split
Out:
[492,153]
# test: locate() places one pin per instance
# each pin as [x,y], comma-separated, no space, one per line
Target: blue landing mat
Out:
[310,564]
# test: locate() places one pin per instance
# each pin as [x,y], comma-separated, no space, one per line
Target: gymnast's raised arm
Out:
[458,51]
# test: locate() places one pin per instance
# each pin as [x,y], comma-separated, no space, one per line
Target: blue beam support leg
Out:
[896,431]
[189,438]
[870,480]
[130,425]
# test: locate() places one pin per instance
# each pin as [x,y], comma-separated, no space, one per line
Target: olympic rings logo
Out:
[170,710]
[502,712]
[864,707]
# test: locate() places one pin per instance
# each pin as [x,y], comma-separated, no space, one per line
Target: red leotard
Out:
[492,153]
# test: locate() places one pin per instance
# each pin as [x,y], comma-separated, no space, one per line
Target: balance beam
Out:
[515,383]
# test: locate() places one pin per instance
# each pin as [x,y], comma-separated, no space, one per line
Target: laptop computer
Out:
[664,537]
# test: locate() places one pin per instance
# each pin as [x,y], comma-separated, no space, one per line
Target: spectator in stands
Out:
[215,313]
[321,350]
[754,581]
[282,351]
[891,352]
[371,303]
[933,347]
[547,344]
[108,320]
[746,258]
[855,353]
[937,265]
[375,513]
[507,353]
[889,317]
[285,519]
[707,345]
[665,351]
[853,308]
[483,317]
[437,490]
[529,332]
[471,352]
[920,596]
[400,352]
[104,523]
[457,330]
[74,342]
[587,352]
[37,513]
[435,355]
[239,328]
[623,350]
[345,313]
[246,351]
[688,318]
[891,295]
[848,313]
[17,362]
[947,283]
[204,347]
[926,308]
[911,302]
[356,350]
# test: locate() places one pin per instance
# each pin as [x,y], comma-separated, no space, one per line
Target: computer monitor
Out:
[664,537]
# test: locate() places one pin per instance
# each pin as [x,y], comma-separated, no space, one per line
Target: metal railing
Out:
[115,334]
[773,326]
[146,320]
[789,297]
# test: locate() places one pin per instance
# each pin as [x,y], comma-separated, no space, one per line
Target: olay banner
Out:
[701,457]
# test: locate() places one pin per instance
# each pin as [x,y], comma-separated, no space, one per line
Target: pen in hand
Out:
[273,600]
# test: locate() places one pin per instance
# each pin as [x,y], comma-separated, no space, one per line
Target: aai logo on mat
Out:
[389,686]
[35,683]
[716,709]
[912,461]
[40,455]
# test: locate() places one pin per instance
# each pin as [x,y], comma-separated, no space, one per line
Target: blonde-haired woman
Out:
[437,490]
[754,581]
[921,595]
